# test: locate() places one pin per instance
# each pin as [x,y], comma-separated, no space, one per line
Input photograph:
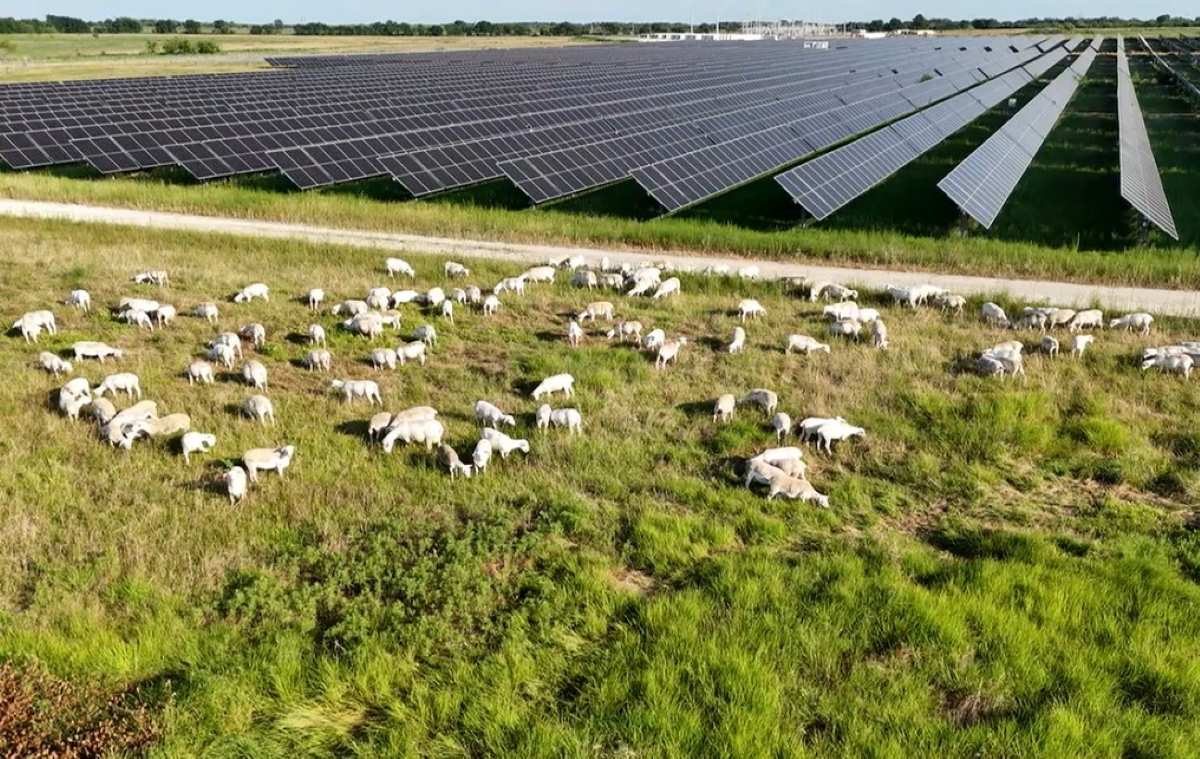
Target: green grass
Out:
[1008,568]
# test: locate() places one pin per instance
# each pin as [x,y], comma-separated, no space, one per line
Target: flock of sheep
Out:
[782,470]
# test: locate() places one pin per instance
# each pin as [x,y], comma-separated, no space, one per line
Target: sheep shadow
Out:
[234,410]
[355,428]
[697,409]
[524,388]
[546,336]
[229,377]
[297,338]
[715,344]
[298,363]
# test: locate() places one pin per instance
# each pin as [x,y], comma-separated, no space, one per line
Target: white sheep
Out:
[80,299]
[503,443]
[1080,344]
[838,292]
[223,353]
[414,351]
[796,488]
[399,266]
[96,350]
[805,344]
[102,410]
[513,284]
[200,372]
[668,288]
[482,455]
[540,274]
[1176,364]
[207,311]
[165,314]
[716,270]
[585,279]
[490,415]
[851,328]
[455,270]
[54,364]
[426,334]
[1031,318]
[955,303]
[259,408]
[319,360]
[170,424]
[40,320]
[196,442]
[74,396]
[564,417]
[235,484]
[558,383]
[255,333]
[383,358]
[668,352]
[1059,317]
[626,331]
[155,277]
[415,414]
[750,309]
[448,457]
[491,304]
[368,325]
[351,308]
[842,311]
[391,319]
[316,296]
[379,298]
[807,429]
[574,334]
[987,366]
[401,297]
[993,315]
[789,460]
[251,292]
[1049,346]
[748,272]
[427,431]
[724,408]
[765,399]
[434,297]
[30,330]
[828,434]
[600,309]
[738,343]
[460,296]
[815,289]
[137,304]
[1092,318]
[316,335]
[901,296]
[1139,321]
[124,382]
[612,281]
[255,374]
[879,334]
[140,318]
[654,340]
[868,315]
[268,460]
[448,311]
[351,389]
[781,423]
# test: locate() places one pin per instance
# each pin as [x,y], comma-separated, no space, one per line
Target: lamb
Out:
[80,299]
[260,408]
[563,417]
[316,335]
[255,374]
[795,487]
[167,425]
[808,427]
[804,344]
[668,352]
[207,311]
[1139,321]
[600,309]
[426,334]
[434,297]
[351,389]
[765,399]
[383,358]
[846,328]
[448,311]
[124,382]
[585,279]
[251,292]
[1178,364]
[427,431]
[229,339]
[738,343]
[922,293]
[137,304]
[654,340]
[993,315]
[140,318]
[482,455]
[53,364]
[96,350]
[833,432]
[1049,346]
[399,266]
[667,288]
[352,308]
[782,424]
[156,277]
[540,274]
[491,304]
[558,383]
[448,457]
[762,472]
[879,334]
[574,334]
[268,460]
[255,333]
[1089,319]
[196,442]
[455,270]
[515,284]
[165,314]
[626,330]
[1080,344]
[223,353]
[504,443]
[316,296]
[948,302]
[489,415]
[724,408]
[1009,356]
[414,351]
[841,311]
[750,309]
[235,484]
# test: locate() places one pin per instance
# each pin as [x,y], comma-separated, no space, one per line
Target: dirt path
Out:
[1158,301]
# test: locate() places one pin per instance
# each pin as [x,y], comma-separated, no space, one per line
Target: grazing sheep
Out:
[868,315]
[103,410]
[156,277]
[482,455]
[1139,321]
[351,389]
[667,288]
[316,335]
[750,309]
[574,334]
[1010,357]
[251,292]
[807,429]
[843,311]
[564,417]
[642,285]
[585,279]
[414,351]
[170,424]
[1031,319]
[434,297]
[748,272]
[391,319]
[415,414]
[33,323]
[137,304]
[986,366]
[53,364]
[1059,317]
[368,325]
[455,270]
[399,266]
[765,399]
[654,340]
[426,334]
[73,396]
[140,318]
[815,289]
[255,333]
[255,374]
[612,281]
[78,387]
[514,284]
[1175,364]
[400,298]
[762,472]
[427,431]
[790,460]
[540,274]
[459,296]
[1049,346]
[1092,318]
[491,304]
[782,424]
[196,442]
[351,308]
[505,444]
[98,351]
[724,408]
[316,297]
[600,309]
[80,299]
[379,298]
[489,415]
[379,424]
[260,408]
[796,488]
[123,428]
[383,358]
[838,292]
[668,352]
[993,315]
[738,343]
[879,333]
[207,311]
[804,344]
[448,311]
[1080,344]
[828,434]
[201,372]
[223,353]
[268,460]
[558,383]
[124,382]
[235,484]
[165,314]
[319,360]
[851,328]
[717,270]
[948,302]
[626,330]
[901,296]
[448,457]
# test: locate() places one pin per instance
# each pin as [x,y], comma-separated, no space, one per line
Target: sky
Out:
[574,10]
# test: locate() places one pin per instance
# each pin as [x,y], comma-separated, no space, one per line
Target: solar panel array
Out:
[829,182]
[983,182]
[1141,184]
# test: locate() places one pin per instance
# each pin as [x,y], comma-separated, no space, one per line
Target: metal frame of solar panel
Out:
[1141,184]
[982,183]
[1171,71]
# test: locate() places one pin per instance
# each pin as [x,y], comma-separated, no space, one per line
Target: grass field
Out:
[1007,569]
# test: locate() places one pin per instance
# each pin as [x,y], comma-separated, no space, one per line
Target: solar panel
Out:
[1141,185]
[984,181]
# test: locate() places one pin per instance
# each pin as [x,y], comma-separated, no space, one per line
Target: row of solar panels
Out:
[1141,184]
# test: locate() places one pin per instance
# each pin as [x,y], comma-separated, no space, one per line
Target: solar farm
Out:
[684,124]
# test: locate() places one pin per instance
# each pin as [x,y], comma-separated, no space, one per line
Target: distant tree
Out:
[920,22]
[1163,20]
[483,29]
[436,30]
[221,26]
[278,24]
[68,24]
[122,25]
[165,26]
[191,26]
